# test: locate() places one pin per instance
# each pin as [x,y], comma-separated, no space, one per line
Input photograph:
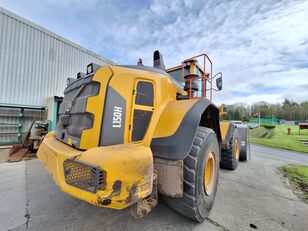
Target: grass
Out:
[298,176]
[278,137]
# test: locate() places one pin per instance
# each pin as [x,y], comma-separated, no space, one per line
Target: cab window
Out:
[144,94]
[143,109]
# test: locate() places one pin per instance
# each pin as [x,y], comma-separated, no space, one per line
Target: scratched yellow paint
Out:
[131,164]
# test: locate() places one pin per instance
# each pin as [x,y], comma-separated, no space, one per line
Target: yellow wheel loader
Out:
[127,133]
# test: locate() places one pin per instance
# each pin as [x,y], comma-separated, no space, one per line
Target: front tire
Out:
[201,173]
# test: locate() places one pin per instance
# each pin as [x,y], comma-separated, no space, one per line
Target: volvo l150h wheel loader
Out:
[127,133]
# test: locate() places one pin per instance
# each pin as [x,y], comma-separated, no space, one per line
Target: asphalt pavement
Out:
[254,197]
[280,155]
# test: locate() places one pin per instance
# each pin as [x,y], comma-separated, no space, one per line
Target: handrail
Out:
[205,78]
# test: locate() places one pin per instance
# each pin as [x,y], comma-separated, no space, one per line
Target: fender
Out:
[177,146]
[229,135]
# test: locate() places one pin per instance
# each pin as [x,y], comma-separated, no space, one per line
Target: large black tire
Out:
[230,155]
[245,152]
[195,203]
[245,144]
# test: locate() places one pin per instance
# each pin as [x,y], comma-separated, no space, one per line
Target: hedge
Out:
[268,126]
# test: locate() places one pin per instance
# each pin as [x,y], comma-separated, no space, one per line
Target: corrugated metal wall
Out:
[35,63]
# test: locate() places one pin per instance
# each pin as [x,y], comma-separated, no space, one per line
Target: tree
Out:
[288,110]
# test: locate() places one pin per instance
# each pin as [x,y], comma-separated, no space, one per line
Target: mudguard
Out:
[177,146]
[229,135]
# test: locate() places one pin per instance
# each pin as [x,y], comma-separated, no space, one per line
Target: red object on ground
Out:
[289,131]
[17,156]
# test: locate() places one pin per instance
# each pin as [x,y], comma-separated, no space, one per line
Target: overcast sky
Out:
[261,46]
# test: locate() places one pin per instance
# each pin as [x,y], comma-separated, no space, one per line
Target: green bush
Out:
[268,126]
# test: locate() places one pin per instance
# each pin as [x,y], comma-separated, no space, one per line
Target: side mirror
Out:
[219,83]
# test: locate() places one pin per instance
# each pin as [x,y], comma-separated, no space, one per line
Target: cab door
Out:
[142,110]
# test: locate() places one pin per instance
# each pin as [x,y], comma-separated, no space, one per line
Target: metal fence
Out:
[15,121]
[265,120]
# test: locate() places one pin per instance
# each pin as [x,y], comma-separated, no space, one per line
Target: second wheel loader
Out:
[127,133]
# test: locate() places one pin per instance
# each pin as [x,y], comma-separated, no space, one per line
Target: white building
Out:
[34,66]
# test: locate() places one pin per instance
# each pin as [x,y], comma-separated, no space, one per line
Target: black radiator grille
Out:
[84,176]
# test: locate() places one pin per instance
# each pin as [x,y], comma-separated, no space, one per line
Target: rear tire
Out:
[200,185]
[245,149]
[230,156]
[244,154]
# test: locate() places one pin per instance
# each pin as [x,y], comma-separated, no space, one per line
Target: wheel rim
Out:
[236,149]
[210,173]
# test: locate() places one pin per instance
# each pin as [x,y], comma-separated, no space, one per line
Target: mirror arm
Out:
[218,73]
[213,89]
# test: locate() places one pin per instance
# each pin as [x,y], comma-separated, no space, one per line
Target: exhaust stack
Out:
[158,61]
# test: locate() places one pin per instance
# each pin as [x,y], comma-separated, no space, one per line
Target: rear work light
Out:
[92,67]
[89,69]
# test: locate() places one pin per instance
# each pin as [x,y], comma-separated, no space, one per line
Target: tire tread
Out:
[228,160]
[189,199]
